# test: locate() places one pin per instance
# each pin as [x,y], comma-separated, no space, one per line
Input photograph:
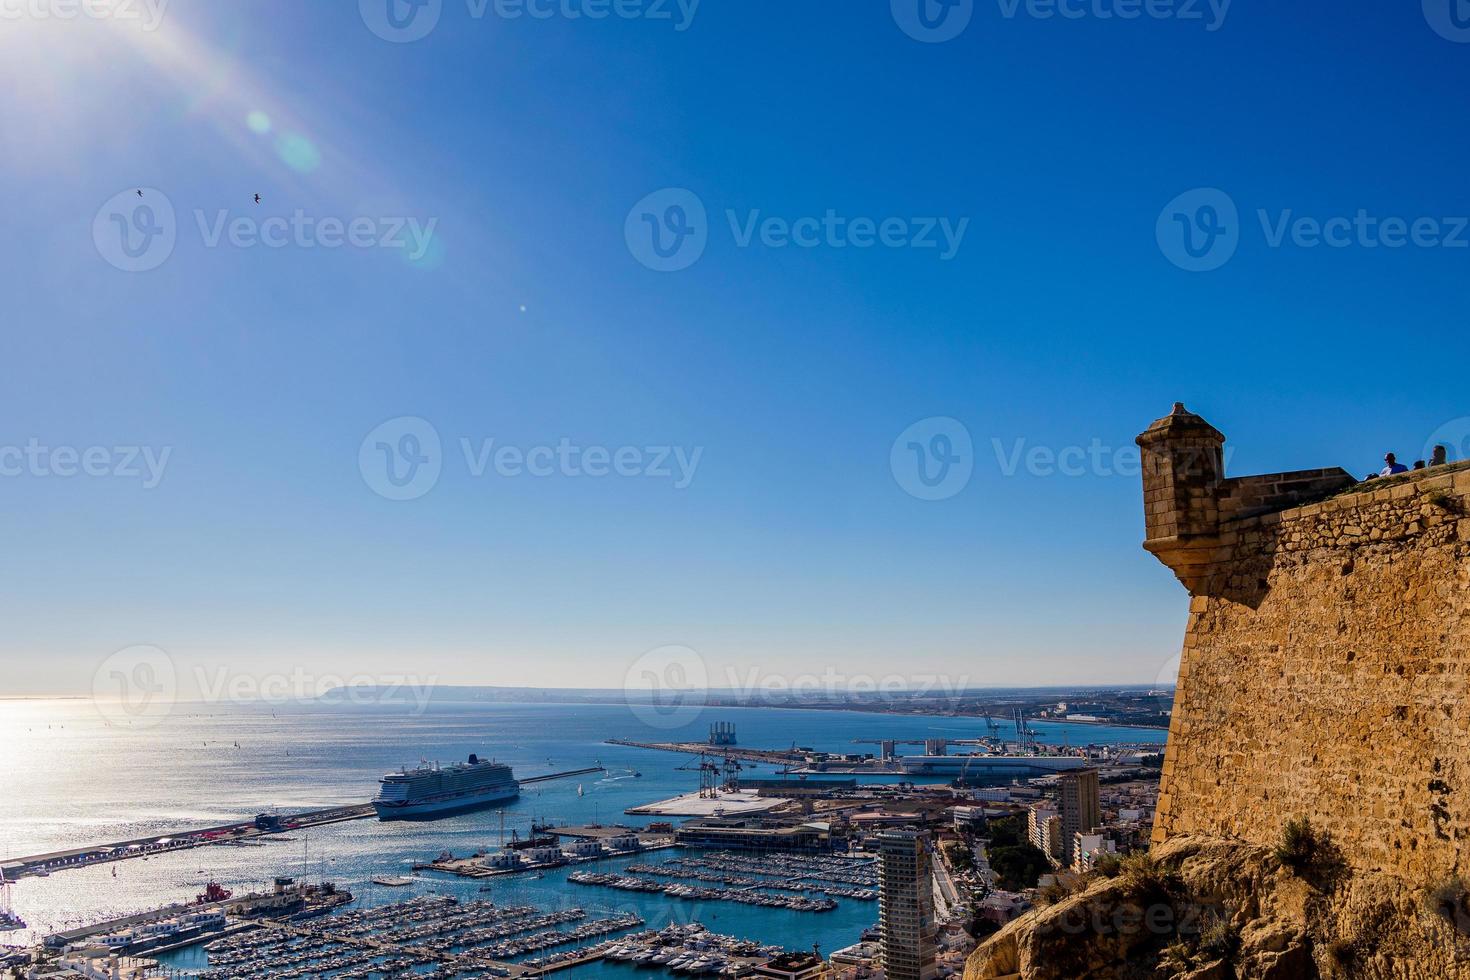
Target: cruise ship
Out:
[431,792]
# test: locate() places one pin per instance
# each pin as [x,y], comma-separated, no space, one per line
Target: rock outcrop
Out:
[1215,909]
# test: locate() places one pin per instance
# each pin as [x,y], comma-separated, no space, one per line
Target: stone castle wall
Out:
[1326,664]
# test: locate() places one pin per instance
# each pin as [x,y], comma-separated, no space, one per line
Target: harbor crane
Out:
[709,776]
[715,776]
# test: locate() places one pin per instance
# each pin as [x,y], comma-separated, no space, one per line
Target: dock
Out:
[770,757]
[41,865]
[238,833]
[724,803]
[476,865]
[561,775]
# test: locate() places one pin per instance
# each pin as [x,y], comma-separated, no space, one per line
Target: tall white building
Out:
[906,906]
[1044,828]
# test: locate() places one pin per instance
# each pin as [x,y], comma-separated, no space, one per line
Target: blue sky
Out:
[525,143]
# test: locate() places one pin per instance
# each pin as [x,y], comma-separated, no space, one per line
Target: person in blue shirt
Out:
[1392,466]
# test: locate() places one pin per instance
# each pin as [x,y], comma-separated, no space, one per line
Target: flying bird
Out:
[257,199]
[140,193]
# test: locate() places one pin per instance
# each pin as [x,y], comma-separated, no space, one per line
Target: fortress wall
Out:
[1325,671]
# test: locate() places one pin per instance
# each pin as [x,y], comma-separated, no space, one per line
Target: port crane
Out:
[715,776]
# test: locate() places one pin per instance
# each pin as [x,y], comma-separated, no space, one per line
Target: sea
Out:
[75,776]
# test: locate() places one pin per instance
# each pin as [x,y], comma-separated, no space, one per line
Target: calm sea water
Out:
[74,779]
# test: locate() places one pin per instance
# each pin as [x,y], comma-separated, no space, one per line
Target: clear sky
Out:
[1058,314]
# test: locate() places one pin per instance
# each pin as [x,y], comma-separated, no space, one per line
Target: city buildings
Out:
[1044,828]
[906,906]
[1087,849]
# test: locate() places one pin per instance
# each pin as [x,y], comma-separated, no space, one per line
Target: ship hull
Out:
[433,808]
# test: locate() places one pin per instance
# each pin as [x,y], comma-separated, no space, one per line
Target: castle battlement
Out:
[1325,669]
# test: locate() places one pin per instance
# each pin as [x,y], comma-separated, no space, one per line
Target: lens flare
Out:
[258,122]
[298,152]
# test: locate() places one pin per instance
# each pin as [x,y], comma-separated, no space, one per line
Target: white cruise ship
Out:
[431,792]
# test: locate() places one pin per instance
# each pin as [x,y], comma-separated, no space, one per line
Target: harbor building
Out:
[1081,808]
[724,833]
[906,906]
[791,966]
[801,786]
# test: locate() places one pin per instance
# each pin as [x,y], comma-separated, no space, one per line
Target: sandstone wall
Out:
[1325,673]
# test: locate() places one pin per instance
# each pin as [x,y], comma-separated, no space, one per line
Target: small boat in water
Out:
[393,882]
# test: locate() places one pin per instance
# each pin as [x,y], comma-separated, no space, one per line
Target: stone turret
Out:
[1183,468]
[1188,501]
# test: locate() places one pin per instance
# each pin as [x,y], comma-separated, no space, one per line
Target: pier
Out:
[589,844]
[238,833]
[562,775]
[772,757]
[41,865]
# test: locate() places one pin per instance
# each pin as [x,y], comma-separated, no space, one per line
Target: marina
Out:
[457,939]
[843,878]
[745,896]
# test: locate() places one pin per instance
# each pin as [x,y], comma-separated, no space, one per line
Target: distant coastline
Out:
[997,703]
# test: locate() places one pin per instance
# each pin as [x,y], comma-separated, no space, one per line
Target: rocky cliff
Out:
[1208,908]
